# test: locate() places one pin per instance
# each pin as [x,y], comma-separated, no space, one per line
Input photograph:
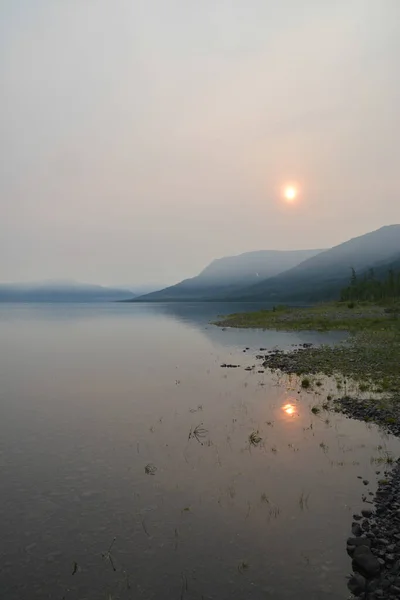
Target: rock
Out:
[365,481]
[356,529]
[367,564]
[359,541]
[366,513]
[357,517]
[396,590]
[390,557]
[362,550]
[356,584]
[365,525]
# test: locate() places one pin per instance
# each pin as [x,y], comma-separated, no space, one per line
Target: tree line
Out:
[370,288]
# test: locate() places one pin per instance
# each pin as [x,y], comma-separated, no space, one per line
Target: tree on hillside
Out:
[369,288]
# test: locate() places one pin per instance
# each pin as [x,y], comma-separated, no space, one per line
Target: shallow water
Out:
[92,395]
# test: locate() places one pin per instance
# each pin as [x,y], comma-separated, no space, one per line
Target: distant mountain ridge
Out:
[225,276]
[51,291]
[321,277]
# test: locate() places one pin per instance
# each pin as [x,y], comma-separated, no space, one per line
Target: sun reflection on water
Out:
[289,409]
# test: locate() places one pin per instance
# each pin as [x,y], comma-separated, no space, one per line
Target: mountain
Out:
[230,274]
[381,268]
[322,276]
[142,289]
[51,291]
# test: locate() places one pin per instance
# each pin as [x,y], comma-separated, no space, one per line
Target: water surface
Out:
[99,409]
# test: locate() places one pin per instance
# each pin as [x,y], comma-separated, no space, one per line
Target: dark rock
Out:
[366,513]
[367,564]
[359,541]
[356,584]
[356,529]
[390,557]
[396,590]
[365,525]
[362,550]
[365,481]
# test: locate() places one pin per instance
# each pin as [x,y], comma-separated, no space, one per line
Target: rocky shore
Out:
[374,545]
[370,357]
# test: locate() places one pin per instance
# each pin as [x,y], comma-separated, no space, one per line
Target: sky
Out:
[141,139]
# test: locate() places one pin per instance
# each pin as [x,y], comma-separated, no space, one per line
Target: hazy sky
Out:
[140,139]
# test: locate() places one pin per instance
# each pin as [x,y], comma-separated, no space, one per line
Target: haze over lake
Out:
[98,408]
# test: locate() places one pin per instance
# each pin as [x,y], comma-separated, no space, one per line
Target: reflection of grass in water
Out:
[323,446]
[184,585]
[150,469]
[198,433]
[273,510]
[231,492]
[107,555]
[243,566]
[303,500]
[254,438]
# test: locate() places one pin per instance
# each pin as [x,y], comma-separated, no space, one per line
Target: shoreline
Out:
[371,357]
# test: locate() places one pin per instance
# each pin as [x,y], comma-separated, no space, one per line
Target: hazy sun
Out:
[290,193]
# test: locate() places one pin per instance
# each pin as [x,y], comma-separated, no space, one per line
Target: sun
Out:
[290,193]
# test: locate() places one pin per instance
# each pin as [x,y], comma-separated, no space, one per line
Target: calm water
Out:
[92,397]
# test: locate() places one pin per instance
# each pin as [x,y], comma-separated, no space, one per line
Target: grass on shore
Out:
[370,356]
[321,317]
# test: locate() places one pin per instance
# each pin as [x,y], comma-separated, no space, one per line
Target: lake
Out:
[134,466]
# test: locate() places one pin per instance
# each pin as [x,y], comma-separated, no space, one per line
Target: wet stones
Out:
[376,553]
[357,584]
[366,563]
